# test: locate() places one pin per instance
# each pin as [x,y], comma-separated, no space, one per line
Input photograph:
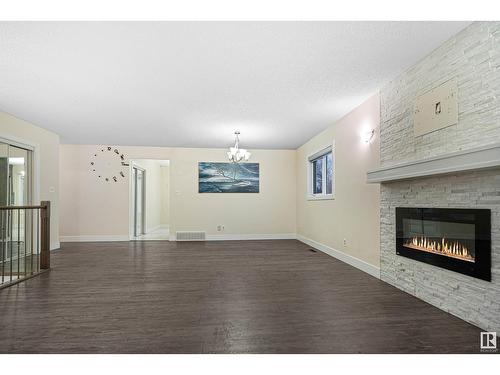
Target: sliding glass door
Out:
[15,175]
[16,179]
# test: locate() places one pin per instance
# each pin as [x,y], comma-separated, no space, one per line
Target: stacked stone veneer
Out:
[473,57]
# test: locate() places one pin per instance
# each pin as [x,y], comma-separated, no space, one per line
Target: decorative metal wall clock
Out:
[107,163]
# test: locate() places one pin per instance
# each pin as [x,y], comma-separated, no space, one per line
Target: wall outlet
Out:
[345,242]
[220,228]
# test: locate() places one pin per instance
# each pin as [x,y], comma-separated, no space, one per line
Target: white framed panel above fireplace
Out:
[436,109]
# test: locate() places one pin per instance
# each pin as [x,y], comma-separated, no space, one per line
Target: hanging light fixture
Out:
[237,154]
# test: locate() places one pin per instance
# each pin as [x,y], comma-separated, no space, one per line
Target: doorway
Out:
[16,189]
[149,199]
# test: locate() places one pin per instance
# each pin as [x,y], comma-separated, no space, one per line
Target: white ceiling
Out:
[191,84]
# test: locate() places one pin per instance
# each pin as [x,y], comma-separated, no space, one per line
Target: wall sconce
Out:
[368,136]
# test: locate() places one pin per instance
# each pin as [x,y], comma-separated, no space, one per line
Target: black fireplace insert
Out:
[453,238]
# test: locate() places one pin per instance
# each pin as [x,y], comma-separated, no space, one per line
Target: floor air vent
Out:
[190,236]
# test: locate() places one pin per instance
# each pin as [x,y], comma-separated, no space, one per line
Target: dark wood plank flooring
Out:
[217,297]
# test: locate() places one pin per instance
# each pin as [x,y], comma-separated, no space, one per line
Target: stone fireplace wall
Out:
[473,57]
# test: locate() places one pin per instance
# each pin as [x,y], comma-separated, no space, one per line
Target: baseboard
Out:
[346,258]
[98,238]
[243,237]
[210,237]
[55,245]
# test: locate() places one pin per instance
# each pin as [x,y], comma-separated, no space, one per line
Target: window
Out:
[320,176]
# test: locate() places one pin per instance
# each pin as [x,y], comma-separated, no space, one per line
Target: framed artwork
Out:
[228,177]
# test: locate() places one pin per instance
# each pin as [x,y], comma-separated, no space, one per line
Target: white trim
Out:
[320,153]
[472,159]
[243,237]
[320,197]
[55,245]
[16,142]
[97,238]
[131,198]
[349,259]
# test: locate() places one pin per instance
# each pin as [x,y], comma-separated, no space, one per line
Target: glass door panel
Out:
[15,190]
[4,174]
[4,195]
[20,166]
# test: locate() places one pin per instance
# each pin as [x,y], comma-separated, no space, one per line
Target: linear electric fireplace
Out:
[451,238]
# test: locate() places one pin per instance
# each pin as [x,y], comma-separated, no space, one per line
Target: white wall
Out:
[46,164]
[94,209]
[354,212]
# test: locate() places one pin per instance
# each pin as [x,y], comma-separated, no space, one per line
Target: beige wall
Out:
[354,212]
[272,211]
[46,166]
[93,208]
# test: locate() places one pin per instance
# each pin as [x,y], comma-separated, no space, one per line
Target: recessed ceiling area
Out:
[192,84]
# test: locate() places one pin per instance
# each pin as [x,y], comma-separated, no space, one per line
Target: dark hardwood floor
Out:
[217,297]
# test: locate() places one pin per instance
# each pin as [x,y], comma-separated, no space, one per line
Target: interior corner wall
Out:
[353,214]
[92,209]
[473,58]
[47,150]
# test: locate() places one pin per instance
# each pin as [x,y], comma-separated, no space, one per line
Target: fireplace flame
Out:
[454,249]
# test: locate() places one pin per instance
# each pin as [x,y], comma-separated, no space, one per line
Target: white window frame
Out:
[310,178]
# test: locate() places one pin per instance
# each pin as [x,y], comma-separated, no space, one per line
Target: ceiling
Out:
[191,84]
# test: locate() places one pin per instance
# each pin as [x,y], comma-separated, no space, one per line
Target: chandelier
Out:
[237,154]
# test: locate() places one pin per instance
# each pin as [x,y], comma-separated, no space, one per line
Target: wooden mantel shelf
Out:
[473,159]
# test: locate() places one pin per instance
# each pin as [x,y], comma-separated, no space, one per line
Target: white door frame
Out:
[35,162]
[132,199]
[35,165]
